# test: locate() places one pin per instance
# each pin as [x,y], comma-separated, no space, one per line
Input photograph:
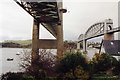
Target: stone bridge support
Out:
[109,36]
[108,26]
[84,45]
[78,46]
[84,41]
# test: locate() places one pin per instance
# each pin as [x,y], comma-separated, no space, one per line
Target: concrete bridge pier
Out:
[84,44]
[59,31]
[60,43]
[109,36]
[45,44]
[108,26]
[35,48]
[78,46]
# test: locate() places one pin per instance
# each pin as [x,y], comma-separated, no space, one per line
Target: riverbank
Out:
[16,44]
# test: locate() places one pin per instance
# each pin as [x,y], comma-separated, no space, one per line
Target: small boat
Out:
[9,59]
[17,53]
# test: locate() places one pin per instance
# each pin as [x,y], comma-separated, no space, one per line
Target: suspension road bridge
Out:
[50,15]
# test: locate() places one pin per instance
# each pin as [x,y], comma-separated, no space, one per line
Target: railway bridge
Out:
[98,29]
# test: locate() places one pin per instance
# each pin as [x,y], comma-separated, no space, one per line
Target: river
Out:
[13,66]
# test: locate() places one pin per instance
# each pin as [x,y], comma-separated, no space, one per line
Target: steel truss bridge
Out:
[50,15]
[46,13]
[98,29]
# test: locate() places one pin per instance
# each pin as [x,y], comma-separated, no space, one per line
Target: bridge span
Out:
[98,29]
[50,15]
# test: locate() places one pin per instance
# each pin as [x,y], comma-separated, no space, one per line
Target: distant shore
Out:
[16,44]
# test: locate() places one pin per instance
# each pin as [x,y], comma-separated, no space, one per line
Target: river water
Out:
[13,66]
[10,53]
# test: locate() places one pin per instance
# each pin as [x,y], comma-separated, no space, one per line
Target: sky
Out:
[16,24]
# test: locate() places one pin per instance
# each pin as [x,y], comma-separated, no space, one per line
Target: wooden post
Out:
[35,49]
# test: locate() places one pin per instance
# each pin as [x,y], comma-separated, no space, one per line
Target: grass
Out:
[22,42]
[106,77]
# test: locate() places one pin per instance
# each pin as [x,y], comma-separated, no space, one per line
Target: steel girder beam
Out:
[95,29]
[50,28]
[50,15]
[42,11]
[46,13]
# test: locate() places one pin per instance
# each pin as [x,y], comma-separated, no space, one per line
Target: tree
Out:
[45,64]
[104,63]
[69,46]
[116,67]
[71,62]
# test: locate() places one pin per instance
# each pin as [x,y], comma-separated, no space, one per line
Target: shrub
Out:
[12,76]
[71,63]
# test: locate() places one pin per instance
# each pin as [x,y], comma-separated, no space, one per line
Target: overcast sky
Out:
[15,23]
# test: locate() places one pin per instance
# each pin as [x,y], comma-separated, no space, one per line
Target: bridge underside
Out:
[50,15]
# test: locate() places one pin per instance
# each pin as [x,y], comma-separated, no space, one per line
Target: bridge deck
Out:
[114,30]
[41,11]
[46,13]
[100,34]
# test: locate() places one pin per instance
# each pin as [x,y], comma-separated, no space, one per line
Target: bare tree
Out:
[47,61]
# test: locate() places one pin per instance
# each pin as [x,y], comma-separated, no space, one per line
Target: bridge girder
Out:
[47,13]
[97,29]
[94,30]
[80,38]
[50,15]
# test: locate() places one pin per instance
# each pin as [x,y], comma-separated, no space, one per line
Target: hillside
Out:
[21,42]
[28,44]
[16,43]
